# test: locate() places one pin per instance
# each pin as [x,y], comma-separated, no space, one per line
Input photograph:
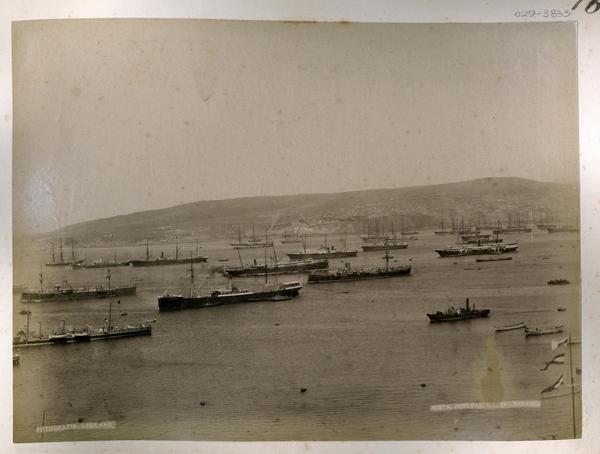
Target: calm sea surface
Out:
[370,361]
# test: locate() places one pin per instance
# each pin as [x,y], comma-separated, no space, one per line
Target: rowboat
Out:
[511,326]
[546,330]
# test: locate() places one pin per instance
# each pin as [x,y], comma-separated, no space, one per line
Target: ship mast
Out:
[109,301]
[304,243]
[240,256]
[191,275]
[72,251]
[176,249]
[115,256]
[147,251]
[266,269]
[52,246]
[62,260]
[387,258]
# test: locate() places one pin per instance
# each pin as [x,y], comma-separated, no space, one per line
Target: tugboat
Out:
[348,274]
[462,313]
[559,282]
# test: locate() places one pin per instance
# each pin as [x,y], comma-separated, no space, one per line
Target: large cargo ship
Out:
[460,250]
[162,260]
[232,295]
[350,274]
[384,246]
[108,331]
[60,293]
[329,252]
[68,293]
[291,267]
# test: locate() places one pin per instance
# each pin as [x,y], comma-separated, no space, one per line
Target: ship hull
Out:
[175,303]
[438,318]
[318,278]
[77,294]
[478,250]
[320,255]
[284,268]
[162,262]
[94,336]
[381,247]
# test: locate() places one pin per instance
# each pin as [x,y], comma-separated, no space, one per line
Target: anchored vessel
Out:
[463,313]
[459,250]
[108,331]
[162,260]
[291,267]
[252,243]
[60,293]
[545,330]
[62,261]
[232,295]
[349,274]
[384,246]
[217,297]
[324,252]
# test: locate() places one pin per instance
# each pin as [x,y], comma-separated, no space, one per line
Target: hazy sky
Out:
[117,116]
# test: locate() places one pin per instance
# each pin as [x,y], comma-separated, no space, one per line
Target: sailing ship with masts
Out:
[101,263]
[253,242]
[162,260]
[514,226]
[67,293]
[443,229]
[108,331]
[386,245]
[350,274]
[275,267]
[375,233]
[480,247]
[324,252]
[62,261]
[291,236]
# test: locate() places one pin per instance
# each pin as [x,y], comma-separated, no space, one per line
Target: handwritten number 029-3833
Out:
[591,7]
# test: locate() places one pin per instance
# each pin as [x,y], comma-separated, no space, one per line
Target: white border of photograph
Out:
[438,11]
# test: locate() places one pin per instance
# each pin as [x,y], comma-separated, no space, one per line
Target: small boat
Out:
[492,259]
[223,260]
[462,313]
[558,282]
[545,330]
[510,327]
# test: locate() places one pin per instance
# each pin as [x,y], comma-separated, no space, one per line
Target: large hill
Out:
[486,200]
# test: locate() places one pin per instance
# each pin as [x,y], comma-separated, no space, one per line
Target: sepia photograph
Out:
[229,230]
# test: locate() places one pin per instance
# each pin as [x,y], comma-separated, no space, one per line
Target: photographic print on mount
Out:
[238,230]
